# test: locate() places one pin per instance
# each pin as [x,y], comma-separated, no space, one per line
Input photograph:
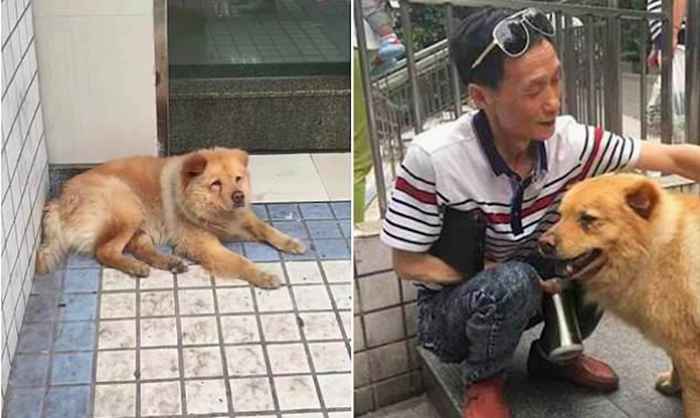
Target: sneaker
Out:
[584,371]
[484,399]
[391,48]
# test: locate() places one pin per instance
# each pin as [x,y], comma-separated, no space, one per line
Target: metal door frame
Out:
[162,74]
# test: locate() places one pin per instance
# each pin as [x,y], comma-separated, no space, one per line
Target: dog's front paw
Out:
[176,265]
[667,385]
[267,280]
[138,271]
[294,246]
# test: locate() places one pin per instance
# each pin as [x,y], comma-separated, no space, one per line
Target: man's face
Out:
[527,101]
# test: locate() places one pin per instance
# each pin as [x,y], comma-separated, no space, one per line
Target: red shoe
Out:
[484,399]
[583,371]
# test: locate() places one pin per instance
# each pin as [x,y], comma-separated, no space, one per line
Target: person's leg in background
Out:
[390,48]
[362,154]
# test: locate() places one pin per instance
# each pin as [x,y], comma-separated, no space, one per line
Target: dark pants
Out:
[481,320]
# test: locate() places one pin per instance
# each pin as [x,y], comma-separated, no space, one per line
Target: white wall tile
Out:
[5,367]
[5,282]
[5,177]
[5,21]
[12,338]
[24,171]
[7,217]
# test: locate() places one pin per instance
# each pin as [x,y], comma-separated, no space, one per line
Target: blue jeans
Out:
[481,320]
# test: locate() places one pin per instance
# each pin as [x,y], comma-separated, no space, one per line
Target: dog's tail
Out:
[53,249]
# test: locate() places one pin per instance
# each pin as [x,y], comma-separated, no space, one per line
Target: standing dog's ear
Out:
[193,166]
[642,198]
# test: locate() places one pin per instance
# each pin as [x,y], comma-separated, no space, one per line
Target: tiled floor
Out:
[97,343]
[263,33]
[301,177]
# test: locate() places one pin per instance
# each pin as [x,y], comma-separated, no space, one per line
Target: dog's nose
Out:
[238,197]
[547,245]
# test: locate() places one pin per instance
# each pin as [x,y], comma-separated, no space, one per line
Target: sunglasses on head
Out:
[512,34]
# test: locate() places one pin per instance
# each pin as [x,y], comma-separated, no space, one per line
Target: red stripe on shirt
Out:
[598,136]
[416,193]
[541,203]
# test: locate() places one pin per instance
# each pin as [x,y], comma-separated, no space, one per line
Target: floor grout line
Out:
[222,350]
[302,334]
[180,354]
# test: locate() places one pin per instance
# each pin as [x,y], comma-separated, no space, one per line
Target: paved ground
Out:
[635,360]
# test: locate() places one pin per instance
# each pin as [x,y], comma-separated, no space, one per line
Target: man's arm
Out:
[423,267]
[683,160]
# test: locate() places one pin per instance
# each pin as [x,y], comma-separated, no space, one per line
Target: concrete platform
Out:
[635,360]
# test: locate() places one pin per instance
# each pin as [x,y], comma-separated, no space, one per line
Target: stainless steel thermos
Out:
[561,338]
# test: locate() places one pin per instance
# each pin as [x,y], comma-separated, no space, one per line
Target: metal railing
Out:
[425,86]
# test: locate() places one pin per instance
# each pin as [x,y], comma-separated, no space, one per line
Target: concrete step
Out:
[633,358]
[443,383]
[262,115]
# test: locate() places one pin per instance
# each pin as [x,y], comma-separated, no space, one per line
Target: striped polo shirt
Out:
[457,165]
[655,25]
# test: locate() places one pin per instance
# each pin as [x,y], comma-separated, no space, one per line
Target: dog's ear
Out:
[242,156]
[642,198]
[193,166]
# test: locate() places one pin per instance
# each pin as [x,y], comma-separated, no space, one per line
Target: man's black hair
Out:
[472,36]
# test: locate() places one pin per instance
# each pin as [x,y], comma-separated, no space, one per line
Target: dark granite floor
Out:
[634,359]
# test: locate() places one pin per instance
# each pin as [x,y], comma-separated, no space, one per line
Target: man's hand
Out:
[551,286]
[424,267]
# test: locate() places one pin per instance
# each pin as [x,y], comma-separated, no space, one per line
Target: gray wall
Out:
[386,369]
[24,170]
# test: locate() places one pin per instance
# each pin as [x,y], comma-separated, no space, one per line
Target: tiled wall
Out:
[24,169]
[386,369]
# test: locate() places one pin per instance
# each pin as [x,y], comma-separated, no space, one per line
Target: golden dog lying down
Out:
[636,248]
[133,204]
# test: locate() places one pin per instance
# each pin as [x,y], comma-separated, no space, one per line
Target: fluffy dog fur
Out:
[636,248]
[133,204]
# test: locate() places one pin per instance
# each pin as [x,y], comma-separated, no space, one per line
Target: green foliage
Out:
[427,24]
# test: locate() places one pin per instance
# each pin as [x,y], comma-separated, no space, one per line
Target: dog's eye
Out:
[215,183]
[587,220]
[238,179]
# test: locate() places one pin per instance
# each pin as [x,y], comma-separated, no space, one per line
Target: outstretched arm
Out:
[683,160]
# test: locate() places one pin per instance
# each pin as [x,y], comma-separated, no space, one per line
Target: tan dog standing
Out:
[134,204]
[636,248]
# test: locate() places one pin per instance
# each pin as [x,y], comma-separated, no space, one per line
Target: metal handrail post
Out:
[692,73]
[667,74]
[644,102]
[590,71]
[369,107]
[570,70]
[613,104]
[412,71]
[454,74]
